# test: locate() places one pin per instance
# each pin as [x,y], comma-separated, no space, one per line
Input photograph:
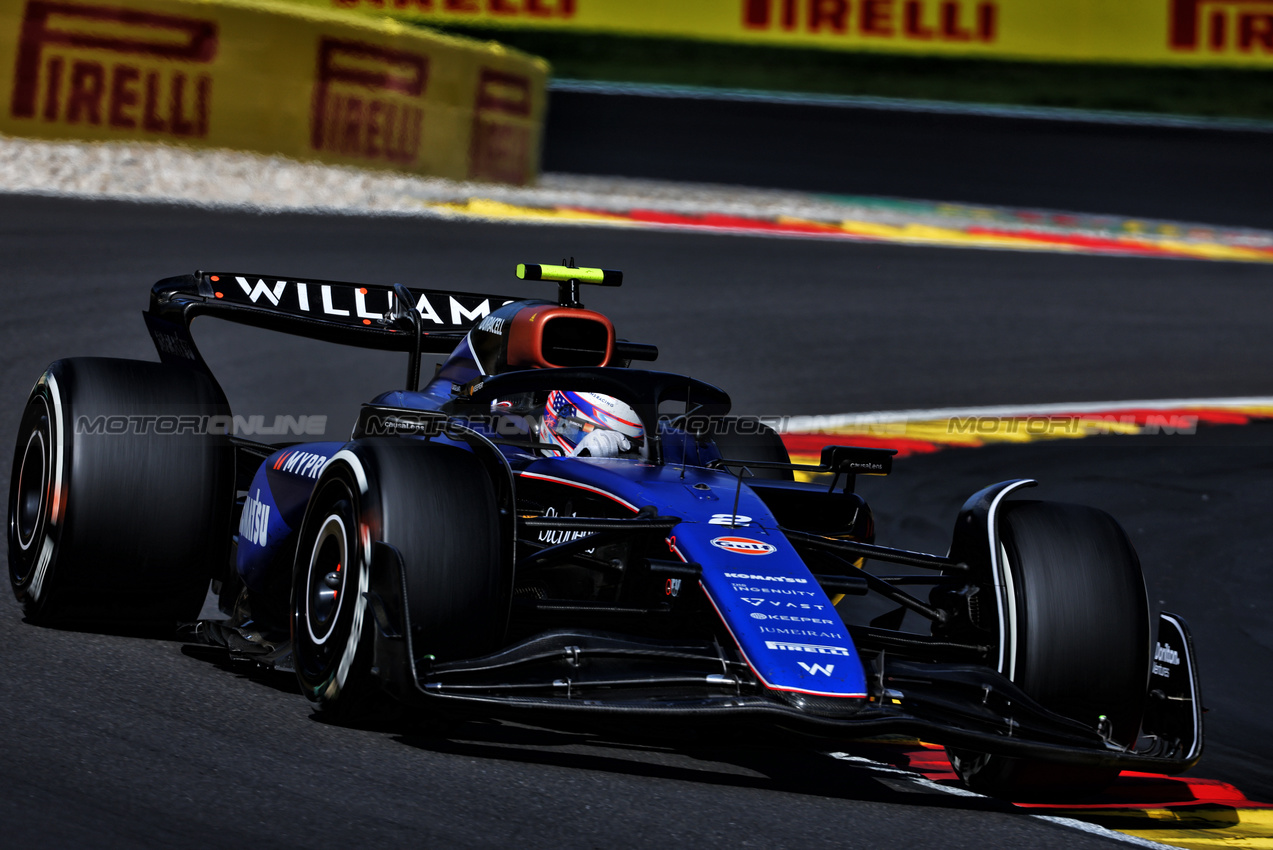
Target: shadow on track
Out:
[788,770]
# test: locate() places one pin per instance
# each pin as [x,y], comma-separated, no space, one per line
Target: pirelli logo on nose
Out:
[113,67]
[368,101]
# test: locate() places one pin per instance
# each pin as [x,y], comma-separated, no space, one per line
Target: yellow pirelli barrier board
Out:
[304,82]
[1173,32]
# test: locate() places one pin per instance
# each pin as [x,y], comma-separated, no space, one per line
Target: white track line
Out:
[1070,823]
[897,104]
[842,420]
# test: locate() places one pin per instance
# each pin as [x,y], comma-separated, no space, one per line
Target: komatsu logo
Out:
[255,522]
[750,577]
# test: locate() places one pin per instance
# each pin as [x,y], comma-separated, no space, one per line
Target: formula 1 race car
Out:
[463,558]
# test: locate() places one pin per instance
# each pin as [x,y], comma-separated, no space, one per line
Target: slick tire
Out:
[120,497]
[747,438]
[1079,643]
[436,505]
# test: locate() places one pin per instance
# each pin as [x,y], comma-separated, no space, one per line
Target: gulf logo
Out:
[744,546]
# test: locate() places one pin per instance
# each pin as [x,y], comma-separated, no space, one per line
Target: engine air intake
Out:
[551,337]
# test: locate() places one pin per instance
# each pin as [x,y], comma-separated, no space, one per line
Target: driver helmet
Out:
[568,416]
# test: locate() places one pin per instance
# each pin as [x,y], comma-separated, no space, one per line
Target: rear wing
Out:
[332,311]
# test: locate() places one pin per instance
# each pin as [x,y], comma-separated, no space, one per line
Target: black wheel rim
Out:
[325,581]
[33,487]
[32,482]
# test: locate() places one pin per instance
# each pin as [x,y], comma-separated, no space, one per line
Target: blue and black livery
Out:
[448,558]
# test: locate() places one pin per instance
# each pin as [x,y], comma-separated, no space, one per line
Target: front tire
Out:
[437,507]
[1077,636]
[120,495]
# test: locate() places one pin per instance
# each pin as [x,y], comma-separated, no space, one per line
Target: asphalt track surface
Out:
[1155,172]
[116,740]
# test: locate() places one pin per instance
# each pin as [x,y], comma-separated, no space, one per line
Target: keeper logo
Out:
[107,66]
[368,101]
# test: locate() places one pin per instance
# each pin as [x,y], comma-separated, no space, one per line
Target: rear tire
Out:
[1080,645]
[120,498]
[436,506]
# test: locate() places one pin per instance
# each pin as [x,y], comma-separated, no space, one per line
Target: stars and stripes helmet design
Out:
[568,416]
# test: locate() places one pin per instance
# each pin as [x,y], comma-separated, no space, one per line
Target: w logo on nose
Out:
[815,669]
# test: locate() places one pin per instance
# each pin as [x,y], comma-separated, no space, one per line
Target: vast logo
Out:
[500,147]
[368,101]
[114,67]
[808,606]
[744,546]
[1218,24]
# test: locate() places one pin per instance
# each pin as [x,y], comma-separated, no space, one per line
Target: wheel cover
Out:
[323,595]
[33,487]
[34,496]
[328,628]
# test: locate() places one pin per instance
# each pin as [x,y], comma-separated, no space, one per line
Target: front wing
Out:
[576,678]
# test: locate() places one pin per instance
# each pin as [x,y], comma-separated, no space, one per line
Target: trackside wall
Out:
[303,82]
[1168,32]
